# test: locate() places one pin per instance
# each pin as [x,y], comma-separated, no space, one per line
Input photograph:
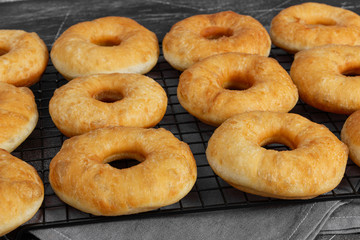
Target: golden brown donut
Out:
[200,36]
[80,176]
[315,165]
[105,45]
[21,192]
[227,84]
[314,24]
[322,77]
[18,115]
[23,57]
[118,99]
[350,135]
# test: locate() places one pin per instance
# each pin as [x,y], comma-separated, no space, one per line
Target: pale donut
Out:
[18,115]
[80,176]
[21,192]
[118,99]
[23,57]
[105,45]
[350,135]
[315,165]
[319,75]
[204,89]
[200,36]
[313,24]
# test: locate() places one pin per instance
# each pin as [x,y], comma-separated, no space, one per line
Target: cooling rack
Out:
[210,192]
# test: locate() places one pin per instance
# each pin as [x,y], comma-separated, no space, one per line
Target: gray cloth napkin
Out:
[344,220]
[290,221]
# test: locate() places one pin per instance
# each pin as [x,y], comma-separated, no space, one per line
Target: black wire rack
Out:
[210,191]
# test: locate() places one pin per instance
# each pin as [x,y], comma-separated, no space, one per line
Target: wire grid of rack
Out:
[209,193]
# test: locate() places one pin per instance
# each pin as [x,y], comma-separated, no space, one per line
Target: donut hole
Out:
[278,143]
[108,96]
[3,51]
[216,32]
[124,163]
[352,72]
[320,21]
[107,41]
[237,84]
[124,160]
[277,147]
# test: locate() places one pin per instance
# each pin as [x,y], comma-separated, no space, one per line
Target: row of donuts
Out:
[75,53]
[109,116]
[23,58]
[78,46]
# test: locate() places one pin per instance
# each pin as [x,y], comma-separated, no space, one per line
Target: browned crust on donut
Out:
[80,177]
[266,194]
[317,73]
[184,45]
[76,52]
[21,192]
[25,59]
[18,115]
[201,87]
[315,166]
[350,134]
[75,110]
[311,24]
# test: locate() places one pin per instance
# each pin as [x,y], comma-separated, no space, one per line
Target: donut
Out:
[23,57]
[325,77]
[21,192]
[18,115]
[350,135]
[80,176]
[314,165]
[200,36]
[311,24]
[118,99]
[223,85]
[105,45]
